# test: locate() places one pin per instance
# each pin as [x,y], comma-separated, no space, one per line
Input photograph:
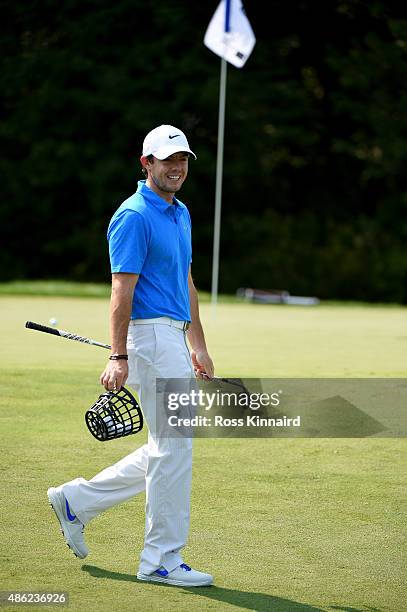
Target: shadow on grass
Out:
[348,609]
[260,602]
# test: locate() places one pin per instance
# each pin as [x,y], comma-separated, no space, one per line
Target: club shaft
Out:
[64,334]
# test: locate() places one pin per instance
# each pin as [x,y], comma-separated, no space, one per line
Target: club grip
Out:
[42,328]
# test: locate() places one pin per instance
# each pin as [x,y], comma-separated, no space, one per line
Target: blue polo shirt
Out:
[149,237]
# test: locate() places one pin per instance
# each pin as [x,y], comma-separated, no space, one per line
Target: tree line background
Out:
[314,186]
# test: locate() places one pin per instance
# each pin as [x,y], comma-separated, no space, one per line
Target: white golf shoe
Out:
[71,527]
[182,575]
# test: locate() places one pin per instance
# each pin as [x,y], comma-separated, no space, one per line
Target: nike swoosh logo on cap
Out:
[174,136]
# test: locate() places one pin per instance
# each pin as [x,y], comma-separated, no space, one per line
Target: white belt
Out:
[162,321]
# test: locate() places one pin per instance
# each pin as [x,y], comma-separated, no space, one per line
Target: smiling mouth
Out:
[174,177]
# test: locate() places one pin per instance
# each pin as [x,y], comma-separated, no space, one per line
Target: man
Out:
[154,304]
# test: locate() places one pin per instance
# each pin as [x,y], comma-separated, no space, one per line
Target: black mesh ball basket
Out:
[114,415]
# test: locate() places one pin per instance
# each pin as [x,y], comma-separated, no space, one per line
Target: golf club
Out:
[70,336]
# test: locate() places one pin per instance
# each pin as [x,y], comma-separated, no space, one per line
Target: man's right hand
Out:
[115,375]
[116,372]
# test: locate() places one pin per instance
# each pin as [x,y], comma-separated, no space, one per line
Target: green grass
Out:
[285,525]
[62,288]
[55,288]
[102,290]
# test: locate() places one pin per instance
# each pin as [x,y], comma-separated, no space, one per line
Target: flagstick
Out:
[218,190]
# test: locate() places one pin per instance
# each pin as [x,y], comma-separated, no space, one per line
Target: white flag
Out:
[230,34]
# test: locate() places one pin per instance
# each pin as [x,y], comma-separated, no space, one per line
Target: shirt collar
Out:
[149,195]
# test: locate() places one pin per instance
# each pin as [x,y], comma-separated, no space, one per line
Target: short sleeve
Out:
[128,242]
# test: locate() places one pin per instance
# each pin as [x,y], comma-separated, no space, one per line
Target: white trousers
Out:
[162,467]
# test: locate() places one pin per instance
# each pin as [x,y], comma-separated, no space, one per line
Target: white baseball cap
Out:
[165,140]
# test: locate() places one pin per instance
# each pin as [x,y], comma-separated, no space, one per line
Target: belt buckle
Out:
[185,327]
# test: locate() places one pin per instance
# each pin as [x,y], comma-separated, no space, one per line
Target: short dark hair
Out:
[150,159]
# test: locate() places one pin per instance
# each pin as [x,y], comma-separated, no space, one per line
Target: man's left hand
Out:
[203,364]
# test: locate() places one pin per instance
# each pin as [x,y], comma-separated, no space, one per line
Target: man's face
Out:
[168,174]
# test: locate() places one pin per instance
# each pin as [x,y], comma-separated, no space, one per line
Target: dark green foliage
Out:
[314,196]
